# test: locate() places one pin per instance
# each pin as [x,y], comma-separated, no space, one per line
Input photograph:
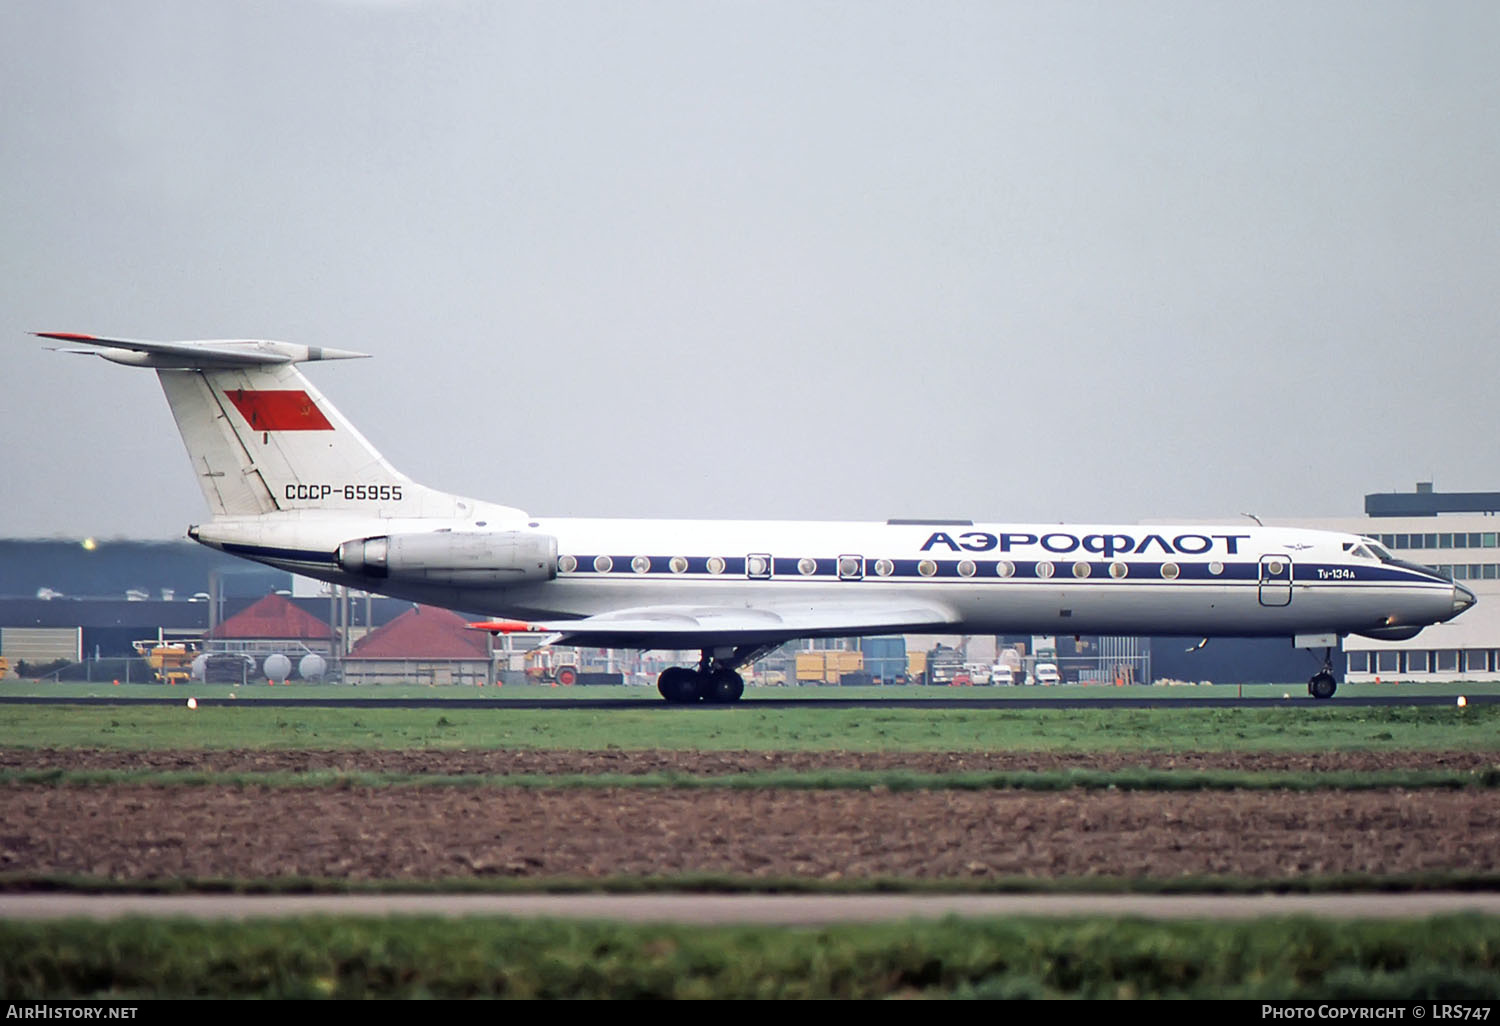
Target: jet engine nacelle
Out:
[491,559]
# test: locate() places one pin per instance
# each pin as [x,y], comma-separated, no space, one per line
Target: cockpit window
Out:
[1379,552]
[1360,552]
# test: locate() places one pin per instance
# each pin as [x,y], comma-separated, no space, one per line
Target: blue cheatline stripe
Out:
[985,571]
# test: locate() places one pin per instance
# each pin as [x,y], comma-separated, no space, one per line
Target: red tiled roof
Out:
[273,617]
[425,632]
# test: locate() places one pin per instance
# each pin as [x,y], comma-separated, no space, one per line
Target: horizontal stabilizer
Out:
[207,354]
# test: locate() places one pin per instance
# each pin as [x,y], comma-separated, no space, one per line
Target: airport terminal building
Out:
[1458,533]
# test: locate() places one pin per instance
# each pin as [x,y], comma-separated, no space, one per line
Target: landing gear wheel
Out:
[723,687]
[679,685]
[1322,685]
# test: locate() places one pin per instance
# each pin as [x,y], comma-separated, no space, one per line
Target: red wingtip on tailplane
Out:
[506,627]
[64,336]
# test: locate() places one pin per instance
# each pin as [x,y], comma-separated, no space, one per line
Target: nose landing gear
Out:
[1323,685]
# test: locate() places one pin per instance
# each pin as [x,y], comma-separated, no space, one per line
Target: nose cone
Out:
[1463,598]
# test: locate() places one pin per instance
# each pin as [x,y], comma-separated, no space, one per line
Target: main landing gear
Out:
[716,679]
[1323,684]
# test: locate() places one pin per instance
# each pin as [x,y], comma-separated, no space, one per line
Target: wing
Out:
[679,627]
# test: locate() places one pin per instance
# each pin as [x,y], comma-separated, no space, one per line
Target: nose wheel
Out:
[1323,685]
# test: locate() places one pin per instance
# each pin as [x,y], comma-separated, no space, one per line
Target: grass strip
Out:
[748,727]
[1445,958]
[699,883]
[815,780]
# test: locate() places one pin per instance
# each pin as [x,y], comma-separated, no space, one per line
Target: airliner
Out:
[292,484]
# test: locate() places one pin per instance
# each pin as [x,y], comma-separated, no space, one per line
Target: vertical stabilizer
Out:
[263,440]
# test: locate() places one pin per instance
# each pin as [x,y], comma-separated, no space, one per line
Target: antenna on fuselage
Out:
[1252,516]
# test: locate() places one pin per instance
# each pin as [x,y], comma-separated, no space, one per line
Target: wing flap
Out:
[680,627]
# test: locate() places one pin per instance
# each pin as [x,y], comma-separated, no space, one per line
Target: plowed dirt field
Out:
[137,832]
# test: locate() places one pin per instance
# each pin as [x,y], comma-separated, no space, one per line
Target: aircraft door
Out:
[1275,580]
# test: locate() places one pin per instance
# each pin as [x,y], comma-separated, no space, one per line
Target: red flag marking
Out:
[289,409]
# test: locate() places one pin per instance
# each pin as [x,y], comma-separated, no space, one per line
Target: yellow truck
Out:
[171,662]
[828,667]
[554,666]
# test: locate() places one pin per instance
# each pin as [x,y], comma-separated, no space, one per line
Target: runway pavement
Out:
[764,909]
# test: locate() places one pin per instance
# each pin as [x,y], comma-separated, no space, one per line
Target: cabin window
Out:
[1005,568]
[927,568]
[603,564]
[715,564]
[966,568]
[1169,571]
[678,564]
[1044,569]
[1082,569]
[1216,568]
[566,564]
[851,568]
[641,564]
[1118,570]
[806,566]
[884,567]
[758,565]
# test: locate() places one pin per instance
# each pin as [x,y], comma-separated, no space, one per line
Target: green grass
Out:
[1449,958]
[1331,727]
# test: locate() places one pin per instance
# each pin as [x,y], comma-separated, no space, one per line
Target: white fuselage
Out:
[990,578]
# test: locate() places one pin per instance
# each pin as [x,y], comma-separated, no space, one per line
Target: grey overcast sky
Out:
[1010,260]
